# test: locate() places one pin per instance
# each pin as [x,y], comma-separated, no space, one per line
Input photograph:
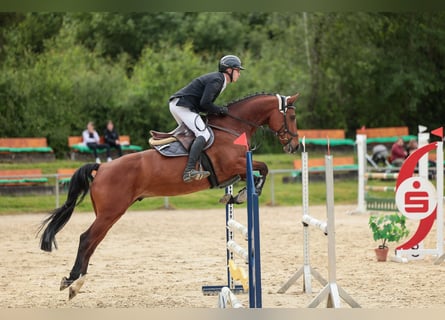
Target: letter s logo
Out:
[416,198]
[416,202]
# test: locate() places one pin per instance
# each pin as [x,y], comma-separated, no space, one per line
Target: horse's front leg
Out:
[258,181]
[261,178]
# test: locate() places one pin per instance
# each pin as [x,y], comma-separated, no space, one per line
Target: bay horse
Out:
[116,185]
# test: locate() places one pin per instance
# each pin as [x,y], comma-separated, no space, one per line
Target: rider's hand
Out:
[223,110]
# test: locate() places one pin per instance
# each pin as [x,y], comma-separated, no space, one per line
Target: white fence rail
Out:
[55,182]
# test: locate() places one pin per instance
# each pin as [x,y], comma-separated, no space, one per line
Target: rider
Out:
[198,96]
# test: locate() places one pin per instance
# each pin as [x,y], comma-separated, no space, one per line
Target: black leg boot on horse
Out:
[190,173]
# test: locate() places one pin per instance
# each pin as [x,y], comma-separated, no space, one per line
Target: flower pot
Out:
[381,253]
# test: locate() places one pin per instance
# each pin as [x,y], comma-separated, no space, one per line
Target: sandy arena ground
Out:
[161,259]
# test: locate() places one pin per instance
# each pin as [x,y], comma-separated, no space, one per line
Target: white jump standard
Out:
[418,199]
[331,291]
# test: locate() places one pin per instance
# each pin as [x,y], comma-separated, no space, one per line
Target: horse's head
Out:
[283,123]
[250,113]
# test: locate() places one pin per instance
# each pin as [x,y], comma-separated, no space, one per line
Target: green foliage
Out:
[58,94]
[60,70]
[375,69]
[156,76]
[388,228]
[111,34]
[218,32]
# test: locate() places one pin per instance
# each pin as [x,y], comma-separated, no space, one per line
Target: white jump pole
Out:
[440,213]
[381,175]
[423,137]
[235,225]
[306,270]
[227,298]
[422,140]
[360,141]
[332,291]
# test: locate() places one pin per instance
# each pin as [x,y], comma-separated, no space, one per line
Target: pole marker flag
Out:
[438,132]
[421,128]
[242,140]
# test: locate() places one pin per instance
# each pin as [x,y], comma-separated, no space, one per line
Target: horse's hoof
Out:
[75,287]
[72,293]
[226,199]
[65,283]
[241,197]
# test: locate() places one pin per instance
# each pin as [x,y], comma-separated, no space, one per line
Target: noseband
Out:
[284,132]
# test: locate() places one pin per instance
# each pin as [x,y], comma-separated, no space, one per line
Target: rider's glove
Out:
[223,110]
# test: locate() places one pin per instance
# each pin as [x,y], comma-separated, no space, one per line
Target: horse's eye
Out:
[293,117]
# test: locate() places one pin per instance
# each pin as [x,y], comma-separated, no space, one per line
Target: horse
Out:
[114,186]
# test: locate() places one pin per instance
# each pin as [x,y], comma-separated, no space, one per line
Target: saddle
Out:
[176,143]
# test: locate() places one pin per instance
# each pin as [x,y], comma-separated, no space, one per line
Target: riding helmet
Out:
[229,61]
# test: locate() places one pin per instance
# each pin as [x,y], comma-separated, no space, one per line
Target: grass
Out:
[285,194]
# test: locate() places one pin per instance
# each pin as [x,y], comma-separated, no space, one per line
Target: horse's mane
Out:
[249,97]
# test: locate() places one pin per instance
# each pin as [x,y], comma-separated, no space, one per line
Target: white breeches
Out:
[191,119]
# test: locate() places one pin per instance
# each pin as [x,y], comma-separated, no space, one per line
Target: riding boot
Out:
[195,151]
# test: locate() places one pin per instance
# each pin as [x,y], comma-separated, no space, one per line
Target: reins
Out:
[282,131]
[250,123]
[232,132]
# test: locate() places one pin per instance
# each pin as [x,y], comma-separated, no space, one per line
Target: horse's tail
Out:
[79,186]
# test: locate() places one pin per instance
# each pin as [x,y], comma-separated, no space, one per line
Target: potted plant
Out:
[387,228]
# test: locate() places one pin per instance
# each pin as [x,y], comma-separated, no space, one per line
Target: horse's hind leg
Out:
[239,198]
[88,242]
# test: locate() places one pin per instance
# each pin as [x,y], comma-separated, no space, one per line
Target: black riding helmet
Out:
[229,61]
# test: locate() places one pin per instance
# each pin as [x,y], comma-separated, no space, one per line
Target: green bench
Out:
[25,150]
[80,151]
[16,177]
[320,137]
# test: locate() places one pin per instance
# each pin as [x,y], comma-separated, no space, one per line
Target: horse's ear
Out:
[293,98]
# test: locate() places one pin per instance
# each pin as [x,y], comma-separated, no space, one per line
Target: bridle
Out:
[284,131]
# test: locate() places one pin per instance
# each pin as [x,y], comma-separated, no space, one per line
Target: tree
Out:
[60,70]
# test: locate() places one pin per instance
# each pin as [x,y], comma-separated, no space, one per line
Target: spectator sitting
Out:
[380,154]
[92,141]
[412,146]
[398,153]
[111,137]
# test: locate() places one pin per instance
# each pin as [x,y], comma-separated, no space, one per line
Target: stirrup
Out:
[194,175]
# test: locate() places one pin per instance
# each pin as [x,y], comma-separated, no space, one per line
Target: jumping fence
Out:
[331,291]
[251,282]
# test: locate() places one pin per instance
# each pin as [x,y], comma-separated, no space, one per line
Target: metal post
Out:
[361,159]
[423,138]
[306,270]
[332,291]
[57,191]
[255,291]
[440,212]
[272,188]
[229,236]
[334,297]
